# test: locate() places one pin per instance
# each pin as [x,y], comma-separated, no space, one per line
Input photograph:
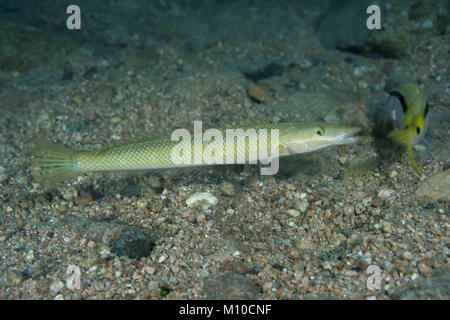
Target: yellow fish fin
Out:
[52,163]
[413,161]
[406,137]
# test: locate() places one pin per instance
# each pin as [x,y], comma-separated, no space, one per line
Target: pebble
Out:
[228,189]
[258,93]
[385,193]
[3,177]
[293,212]
[202,273]
[360,70]
[115,120]
[305,244]
[327,266]
[306,63]
[56,286]
[407,256]
[377,202]
[208,197]
[362,84]
[149,270]
[133,243]
[70,194]
[84,201]
[267,286]
[294,254]
[302,206]
[393,174]
[423,268]
[154,182]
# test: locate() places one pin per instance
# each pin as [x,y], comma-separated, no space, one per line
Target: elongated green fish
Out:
[53,163]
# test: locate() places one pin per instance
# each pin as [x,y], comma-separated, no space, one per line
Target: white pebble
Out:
[56,285]
[230,211]
[303,206]
[208,197]
[385,193]
[293,212]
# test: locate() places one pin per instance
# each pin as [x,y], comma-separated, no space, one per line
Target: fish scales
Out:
[55,163]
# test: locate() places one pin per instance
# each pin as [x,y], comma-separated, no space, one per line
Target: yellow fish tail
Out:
[406,138]
[52,163]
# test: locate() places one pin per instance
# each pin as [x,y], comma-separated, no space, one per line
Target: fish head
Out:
[413,121]
[415,126]
[315,136]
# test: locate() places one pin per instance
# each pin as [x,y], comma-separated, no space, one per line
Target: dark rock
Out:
[32,272]
[279,266]
[133,243]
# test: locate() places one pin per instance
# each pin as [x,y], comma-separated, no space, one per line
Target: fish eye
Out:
[418,130]
[319,131]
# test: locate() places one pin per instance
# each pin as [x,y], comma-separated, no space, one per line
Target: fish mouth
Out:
[348,136]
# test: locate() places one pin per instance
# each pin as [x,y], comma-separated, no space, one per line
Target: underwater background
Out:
[318,229]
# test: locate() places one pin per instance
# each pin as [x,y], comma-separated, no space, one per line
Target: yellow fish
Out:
[408,117]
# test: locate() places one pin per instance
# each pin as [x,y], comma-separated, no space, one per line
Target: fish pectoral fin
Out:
[289,148]
[413,161]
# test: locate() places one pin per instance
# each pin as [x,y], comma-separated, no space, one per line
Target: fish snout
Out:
[347,135]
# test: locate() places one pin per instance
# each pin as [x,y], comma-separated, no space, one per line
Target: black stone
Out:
[133,243]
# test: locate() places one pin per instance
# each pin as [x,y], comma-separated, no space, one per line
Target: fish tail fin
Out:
[52,163]
[406,137]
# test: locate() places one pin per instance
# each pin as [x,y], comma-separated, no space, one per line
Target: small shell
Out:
[208,197]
